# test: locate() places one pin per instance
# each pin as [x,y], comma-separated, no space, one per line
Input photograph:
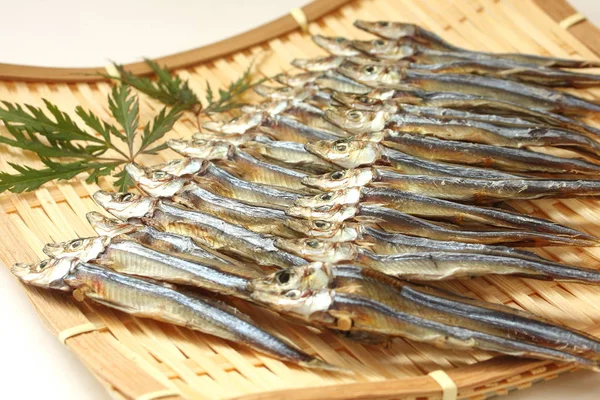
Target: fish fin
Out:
[102,262]
[152,223]
[232,167]
[364,243]
[211,185]
[343,319]
[368,220]
[222,306]
[128,310]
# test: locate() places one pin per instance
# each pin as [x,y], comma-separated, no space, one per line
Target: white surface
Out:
[79,33]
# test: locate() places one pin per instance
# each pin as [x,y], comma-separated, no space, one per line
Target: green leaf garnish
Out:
[100,148]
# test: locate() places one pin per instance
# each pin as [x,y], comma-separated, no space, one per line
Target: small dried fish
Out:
[287,154]
[527,119]
[523,94]
[437,265]
[181,246]
[283,127]
[338,46]
[353,299]
[132,258]
[221,182]
[205,229]
[394,30]
[465,127]
[488,156]
[381,242]
[399,30]
[349,153]
[395,221]
[429,207]
[550,114]
[151,299]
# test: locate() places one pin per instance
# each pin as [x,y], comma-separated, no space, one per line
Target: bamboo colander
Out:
[142,359]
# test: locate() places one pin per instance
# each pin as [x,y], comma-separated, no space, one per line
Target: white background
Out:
[81,33]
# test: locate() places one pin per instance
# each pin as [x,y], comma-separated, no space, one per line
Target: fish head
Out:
[125,205]
[324,230]
[338,46]
[318,64]
[373,74]
[375,137]
[385,48]
[49,273]
[283,93]
[105,226]
[237,125]
[346,153]
[201,149]
[382,93]
[155,183]
[387,29]
[318,250]
[335,213]
[313,227]
[340,179]
[181,166]
[357,121]
[271,107]
[295,302]
[363,102]
[84,249]
[336,197]
[313,276]
[298,80]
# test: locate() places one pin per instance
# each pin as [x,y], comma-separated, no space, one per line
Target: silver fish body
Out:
[224,184]
[512,160]
[220,235]
[354,299]
[381,242]
[151,299]
[287,154]
[397,222]
[443,265]
[478,190]
[255,218]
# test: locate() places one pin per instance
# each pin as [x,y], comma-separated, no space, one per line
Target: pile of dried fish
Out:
[382,165]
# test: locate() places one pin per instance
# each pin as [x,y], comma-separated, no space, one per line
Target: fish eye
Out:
[127,197]
[159,174]
[282,277]
[340,40]
[75,244]
[369,69]
[313,243]
[342,146]
[364,100]
[322,224]
[293,294]
[326,196]
[337,175]
[354,115]
[383,24]
[379,42]
[43,264]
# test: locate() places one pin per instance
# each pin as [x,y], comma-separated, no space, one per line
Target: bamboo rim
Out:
[497,375]
[285,24]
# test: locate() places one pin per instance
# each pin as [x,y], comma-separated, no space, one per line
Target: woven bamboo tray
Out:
[142,359]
